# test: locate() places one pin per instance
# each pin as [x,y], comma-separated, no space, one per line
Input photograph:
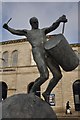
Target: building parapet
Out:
[25,40]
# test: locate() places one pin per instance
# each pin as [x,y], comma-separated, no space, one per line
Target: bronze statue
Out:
[37,38]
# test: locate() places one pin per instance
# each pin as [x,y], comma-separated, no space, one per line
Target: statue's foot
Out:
[33,92]
[46,97]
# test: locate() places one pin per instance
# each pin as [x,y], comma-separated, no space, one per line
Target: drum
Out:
[59,49]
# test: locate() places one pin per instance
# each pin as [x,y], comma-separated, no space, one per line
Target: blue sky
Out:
[46,12]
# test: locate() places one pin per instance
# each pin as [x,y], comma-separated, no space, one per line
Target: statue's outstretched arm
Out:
[15,32]
[56,24]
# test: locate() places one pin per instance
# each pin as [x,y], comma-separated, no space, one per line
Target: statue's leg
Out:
[55,69]
[42,67]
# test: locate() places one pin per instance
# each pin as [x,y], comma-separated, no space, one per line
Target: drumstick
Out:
[63,28]
[8,20]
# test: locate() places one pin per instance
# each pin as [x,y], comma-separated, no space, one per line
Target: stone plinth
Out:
[26,106]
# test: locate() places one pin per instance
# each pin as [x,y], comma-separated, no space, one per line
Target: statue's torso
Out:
[36,37]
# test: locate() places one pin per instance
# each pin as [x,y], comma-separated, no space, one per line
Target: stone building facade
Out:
[18,70]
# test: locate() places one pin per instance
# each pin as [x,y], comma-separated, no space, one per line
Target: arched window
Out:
[5,58]
[76,93]
[3,90]
[14,58]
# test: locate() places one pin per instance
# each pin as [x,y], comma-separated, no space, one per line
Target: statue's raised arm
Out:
[56,24]
[13,31]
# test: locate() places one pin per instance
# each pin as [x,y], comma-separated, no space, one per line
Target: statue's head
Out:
[34,22]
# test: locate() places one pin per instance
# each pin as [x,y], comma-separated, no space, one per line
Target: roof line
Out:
[25,40]
[13,41]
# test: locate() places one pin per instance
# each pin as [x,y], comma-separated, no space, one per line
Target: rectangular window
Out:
[77,99]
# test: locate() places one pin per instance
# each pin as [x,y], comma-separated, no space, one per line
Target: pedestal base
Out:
[26,106]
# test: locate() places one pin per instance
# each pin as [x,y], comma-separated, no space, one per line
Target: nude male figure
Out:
[37,39]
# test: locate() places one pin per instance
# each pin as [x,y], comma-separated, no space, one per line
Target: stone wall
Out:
[18,77]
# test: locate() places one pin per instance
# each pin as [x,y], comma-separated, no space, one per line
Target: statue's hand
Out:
[63,19]
[5,26]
